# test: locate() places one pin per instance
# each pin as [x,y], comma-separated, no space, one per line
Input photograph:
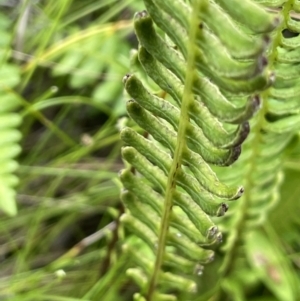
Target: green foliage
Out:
[225,84]
[9,121]
[105,67]
[212,147]
[68,167]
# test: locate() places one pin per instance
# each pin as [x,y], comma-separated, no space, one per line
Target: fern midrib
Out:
[179,150]
[245,201]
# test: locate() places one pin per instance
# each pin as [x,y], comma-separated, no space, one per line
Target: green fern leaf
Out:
[202,69]
[261,165]
[9,122]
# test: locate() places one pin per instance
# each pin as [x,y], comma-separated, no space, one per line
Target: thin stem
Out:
[180,146]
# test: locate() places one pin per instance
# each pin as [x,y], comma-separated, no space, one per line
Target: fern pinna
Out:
[208,70]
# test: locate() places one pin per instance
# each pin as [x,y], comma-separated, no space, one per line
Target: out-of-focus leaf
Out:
[285,218]
[8,102]
[9,75]
[68,63]
[7,196]
[107,92]
[9,121]
[272,266]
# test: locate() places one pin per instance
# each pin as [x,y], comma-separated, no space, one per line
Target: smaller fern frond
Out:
[261,164]
[9,149]
[9,122]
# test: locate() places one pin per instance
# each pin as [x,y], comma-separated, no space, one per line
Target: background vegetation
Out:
[62,64]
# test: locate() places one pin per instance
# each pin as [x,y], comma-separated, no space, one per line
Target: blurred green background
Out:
[62,64]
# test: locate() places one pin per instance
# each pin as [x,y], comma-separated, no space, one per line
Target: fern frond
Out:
[9,149]
[170,193]
[261,164]
[9,121]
